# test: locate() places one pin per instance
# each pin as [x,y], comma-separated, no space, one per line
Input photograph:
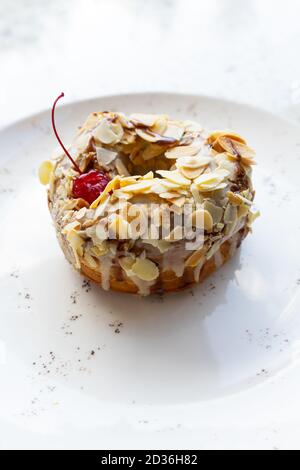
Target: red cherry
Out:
[90,185]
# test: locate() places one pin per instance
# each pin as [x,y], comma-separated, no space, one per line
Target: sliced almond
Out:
[211,180]
[101,230]
[182,151]
[139,187]
[237,199]
[106,133]
[81,213]
[252,217]
[174,131]
[194,259]
[243,210]
[145,269]
[45,171]
[101,207]
[230,214]
[76,243]
[201,219]
[112,185]
[147,120]
[121,168]
[175,177]
[150,136]
[105,156]
[193,162]
[160,124]
[215,211]
[191,173]
[126,263]
[71,226]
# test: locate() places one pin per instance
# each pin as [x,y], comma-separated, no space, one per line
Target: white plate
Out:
[213,367]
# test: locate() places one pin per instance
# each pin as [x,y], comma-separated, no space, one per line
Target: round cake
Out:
[149,204]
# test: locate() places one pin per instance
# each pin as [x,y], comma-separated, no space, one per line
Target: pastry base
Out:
[168,281]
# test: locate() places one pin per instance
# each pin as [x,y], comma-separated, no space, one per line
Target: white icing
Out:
[106,262]
[197,270]
[143,286]
[218,258]
[174,260]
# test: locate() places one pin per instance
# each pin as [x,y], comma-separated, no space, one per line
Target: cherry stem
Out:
[57,136]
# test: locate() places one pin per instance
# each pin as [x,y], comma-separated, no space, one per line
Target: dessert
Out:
[149,204]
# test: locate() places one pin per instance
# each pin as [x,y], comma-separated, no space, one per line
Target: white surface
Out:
[241,50]
[214,367]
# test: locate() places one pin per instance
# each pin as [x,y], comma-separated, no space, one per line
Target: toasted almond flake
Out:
[190,173]
[145,269]
[215,211]
[148,176]
[252,217]
[127,181]
[101,207]
[112,185]
[152,151]
[237,199]
[193,162]
[230,214]
[147,135]
[174,131]
[71,226]
[91,122]
[139,187]
[121,195]
[169,195]
[196,194]
[105,133]
[76,243]
[101,230]
[121,168]
[182,151]
[150,136]
[211,179]
[178,201]
[45,171]
[147,120]
[90,261]
[213,139]
[174,177]
[124,121]
[201,219]
[160,124]
[235,148]
[117,130]
[82,142]
[243,210]
[81,213]
[105,156]
[194,259]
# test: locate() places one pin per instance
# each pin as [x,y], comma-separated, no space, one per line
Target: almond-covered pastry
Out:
[145,203]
